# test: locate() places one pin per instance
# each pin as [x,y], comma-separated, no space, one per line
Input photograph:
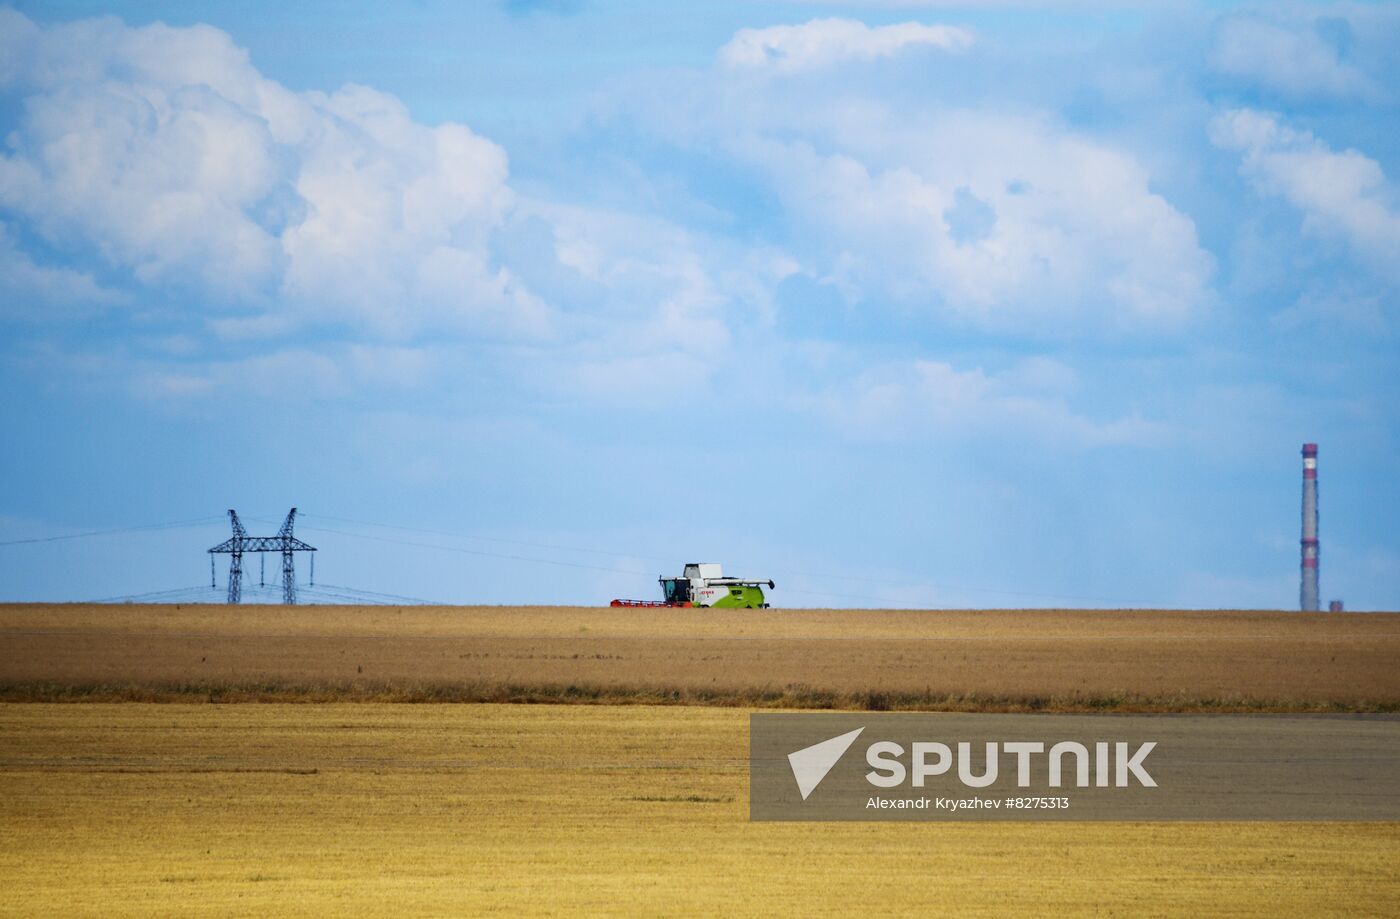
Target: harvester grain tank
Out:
[704,584]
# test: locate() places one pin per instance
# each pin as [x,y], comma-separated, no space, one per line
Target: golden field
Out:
[355,805]
[1001,659]
[355,809]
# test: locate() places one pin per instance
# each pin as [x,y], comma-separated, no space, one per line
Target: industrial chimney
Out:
[1308,593]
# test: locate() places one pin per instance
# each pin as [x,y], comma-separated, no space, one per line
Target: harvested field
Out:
[156,810]
[972,660]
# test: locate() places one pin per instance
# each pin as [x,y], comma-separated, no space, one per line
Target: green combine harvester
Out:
[704,584]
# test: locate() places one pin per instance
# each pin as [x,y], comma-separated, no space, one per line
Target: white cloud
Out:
[164,155]
[926,399]
[824,42]
[165,151]
[1005,222]
[326,373]
[649,379]
[662,290]
[1295,62]
[1342,194]
[35,292]
[398,218]
[659,305]
[1325,310]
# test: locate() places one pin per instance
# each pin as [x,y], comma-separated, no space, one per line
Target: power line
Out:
[479,552]
[200,521]
[347,593]
[204,594]
[799,574]
[382,597]
[512,542]
[153,594]
[520,558]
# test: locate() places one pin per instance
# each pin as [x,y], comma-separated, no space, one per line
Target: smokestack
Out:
[1308,593]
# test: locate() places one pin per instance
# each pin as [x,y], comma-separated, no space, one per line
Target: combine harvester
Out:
[704,584]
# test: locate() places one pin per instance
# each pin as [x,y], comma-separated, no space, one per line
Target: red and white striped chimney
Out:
[1308,593]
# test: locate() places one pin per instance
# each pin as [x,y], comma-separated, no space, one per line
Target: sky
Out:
[899,303]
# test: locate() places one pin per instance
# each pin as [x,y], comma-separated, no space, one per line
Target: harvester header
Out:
[704,584]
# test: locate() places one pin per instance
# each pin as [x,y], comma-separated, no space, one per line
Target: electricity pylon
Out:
[283,542]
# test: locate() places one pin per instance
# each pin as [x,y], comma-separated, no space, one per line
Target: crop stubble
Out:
[155,810]
[120,809]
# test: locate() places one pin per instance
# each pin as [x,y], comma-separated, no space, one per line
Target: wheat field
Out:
[358,805]
[971,660]
[417,810]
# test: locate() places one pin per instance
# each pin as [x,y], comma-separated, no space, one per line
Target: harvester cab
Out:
[704,584]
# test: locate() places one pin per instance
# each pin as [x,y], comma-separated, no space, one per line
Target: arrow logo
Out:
[811,764]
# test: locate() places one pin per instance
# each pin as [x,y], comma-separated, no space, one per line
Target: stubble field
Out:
[355,805]
[376,809]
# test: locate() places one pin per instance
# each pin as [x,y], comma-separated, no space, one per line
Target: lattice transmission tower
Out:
[241,542]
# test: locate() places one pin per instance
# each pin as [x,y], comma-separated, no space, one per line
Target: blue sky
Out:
[898,303]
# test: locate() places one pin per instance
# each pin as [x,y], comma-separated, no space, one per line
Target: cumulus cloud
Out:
[824,42]
[398,219]
[32,291]
[169,155]
[995,217]
[1295,61]
[656,306]
[1003,221]
[1344,194]
[663,279]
